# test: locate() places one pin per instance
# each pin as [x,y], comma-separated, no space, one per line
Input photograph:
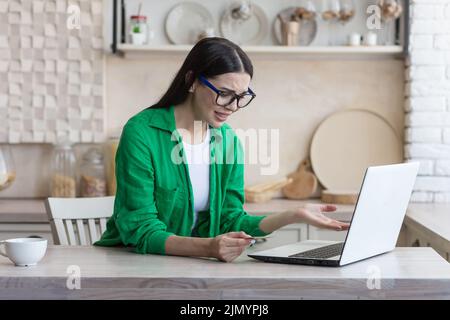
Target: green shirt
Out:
[154,197]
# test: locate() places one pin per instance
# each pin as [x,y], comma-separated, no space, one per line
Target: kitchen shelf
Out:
[274,52]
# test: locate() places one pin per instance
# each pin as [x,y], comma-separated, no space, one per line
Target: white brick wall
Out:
[427,104]
[442,197]
[443,167]
[426,134]
[419,196]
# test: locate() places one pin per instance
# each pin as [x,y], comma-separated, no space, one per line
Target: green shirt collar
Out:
[164,119]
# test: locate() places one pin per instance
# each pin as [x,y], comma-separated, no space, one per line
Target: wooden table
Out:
[431,224]
[118,273]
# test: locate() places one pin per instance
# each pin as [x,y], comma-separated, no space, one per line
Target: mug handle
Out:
[3,253]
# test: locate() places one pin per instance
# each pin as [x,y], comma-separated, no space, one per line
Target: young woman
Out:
[168,202]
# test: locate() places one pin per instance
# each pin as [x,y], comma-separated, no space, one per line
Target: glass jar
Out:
[111,150]
[138,29]
[63,171]
[92,174]
[7,169]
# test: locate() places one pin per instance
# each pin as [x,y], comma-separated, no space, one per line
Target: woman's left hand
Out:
[312,214]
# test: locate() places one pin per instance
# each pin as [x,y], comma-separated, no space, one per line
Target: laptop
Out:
[377,218]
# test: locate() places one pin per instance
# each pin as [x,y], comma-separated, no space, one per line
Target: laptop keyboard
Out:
[322,252]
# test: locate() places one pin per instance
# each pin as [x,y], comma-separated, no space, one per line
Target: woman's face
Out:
[204,98]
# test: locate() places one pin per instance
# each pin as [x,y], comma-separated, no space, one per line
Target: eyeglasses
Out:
[226,97]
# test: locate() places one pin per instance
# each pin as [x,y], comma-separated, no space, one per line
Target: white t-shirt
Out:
[197,157]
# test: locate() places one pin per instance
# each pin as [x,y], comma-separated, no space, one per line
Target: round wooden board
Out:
[348,142]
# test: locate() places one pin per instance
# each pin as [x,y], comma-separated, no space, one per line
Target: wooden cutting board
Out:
[265,191]
[349,141]
[339,196]
[304,183]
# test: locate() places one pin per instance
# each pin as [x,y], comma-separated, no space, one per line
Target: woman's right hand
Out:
[228,246]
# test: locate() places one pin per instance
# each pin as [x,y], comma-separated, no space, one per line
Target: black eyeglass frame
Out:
[221,92]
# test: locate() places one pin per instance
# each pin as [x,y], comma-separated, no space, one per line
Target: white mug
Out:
[370,39]
[354,39]
[24,252]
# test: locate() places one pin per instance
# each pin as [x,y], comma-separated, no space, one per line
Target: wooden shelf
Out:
[274,52]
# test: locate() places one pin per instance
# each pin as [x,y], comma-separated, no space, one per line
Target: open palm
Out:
[312,214]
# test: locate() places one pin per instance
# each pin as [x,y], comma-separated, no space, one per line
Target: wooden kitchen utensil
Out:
[265,191]
[339,196]
[304,183]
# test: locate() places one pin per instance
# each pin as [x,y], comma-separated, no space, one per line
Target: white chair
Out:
[68,218]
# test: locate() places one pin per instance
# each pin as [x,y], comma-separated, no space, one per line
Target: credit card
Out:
[260,237]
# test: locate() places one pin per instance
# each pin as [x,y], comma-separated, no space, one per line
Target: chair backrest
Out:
[78,221]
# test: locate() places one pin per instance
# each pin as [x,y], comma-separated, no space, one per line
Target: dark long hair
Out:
[209,57]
